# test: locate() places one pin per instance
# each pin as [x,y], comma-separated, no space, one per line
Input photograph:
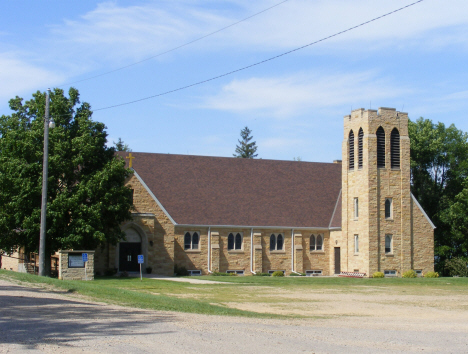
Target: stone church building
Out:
[218,214]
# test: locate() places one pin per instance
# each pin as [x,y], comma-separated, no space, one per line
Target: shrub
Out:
[409,274]
[180,271]
[149,270]
[232,274]
[431,275]
[297,275]
[378,275]
[278,273]
[262,274]
[457,267]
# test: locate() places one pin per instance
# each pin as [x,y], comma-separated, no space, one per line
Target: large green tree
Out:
[246,149]
[86,197]
[439,167]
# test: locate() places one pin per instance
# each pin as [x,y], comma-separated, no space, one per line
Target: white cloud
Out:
[117,33]
[21,77]
[290,95]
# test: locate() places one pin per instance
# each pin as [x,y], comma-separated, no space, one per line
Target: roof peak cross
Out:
[130,158]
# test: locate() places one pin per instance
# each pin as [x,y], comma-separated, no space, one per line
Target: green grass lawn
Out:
[214,298]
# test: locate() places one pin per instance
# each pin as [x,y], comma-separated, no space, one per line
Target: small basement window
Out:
[238,272]
[194,272]
[313,273]
[418,272]
[390,273]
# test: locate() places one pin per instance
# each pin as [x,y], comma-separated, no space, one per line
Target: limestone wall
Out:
[67,273]
[423,241]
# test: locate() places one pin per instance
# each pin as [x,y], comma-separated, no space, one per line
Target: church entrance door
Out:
[128,256]
[337,260]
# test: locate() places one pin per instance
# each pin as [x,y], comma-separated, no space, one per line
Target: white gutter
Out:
[292,252]
[209,250]
[251,252]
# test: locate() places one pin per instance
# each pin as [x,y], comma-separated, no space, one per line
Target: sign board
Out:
[85,257]
[140,259]
[75,261]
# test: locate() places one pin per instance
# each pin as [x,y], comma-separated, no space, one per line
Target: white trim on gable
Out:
[153,196]
[422,210]
[333,215]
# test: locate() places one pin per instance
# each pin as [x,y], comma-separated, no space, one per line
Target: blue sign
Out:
[85,257]
[140,259]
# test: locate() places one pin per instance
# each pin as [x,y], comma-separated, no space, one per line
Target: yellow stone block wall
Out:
[234,259]
[423,241]
[316,260]
[9,262]
[372,186]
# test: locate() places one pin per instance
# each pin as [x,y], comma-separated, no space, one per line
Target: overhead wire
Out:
[175,48]
[260,62]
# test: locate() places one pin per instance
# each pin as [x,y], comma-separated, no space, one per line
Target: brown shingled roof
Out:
[203,190]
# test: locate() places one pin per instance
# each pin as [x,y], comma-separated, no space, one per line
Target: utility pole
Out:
[45,176]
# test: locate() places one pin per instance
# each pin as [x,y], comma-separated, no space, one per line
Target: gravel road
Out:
[40,320]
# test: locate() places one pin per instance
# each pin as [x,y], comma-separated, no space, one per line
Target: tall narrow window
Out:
[279,243]
[312,243]
[191,240]
[272,242]
[388,244]
[388,208]
[360,147]
[356,243]
[351,150]
[187,241]
[380,148]
[238,244]
[319,242]
[395,148]
[356,208]
[230,241]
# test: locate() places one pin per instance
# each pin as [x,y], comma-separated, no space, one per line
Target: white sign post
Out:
[85,261]
[140,262]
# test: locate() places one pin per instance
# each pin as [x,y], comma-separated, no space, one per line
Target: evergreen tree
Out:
[86,198]
[121,146]
[246,149]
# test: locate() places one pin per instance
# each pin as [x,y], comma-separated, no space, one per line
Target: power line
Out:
[260,62]
[175,48]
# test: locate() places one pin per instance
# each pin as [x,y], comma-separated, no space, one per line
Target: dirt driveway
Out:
[40,320]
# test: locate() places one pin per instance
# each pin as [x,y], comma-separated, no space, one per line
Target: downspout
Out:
[292,253]
[209,250]
[251,252]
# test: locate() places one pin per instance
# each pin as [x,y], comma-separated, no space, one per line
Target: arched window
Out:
[238,241]
[195,241]
[380,148]
[191,240]
[360,147]
[395,148]
[312,243]
[272,242]
[388,208]
[187,241]
[388,243]
[351,150]
[279,243]
[319,243]
[230,241]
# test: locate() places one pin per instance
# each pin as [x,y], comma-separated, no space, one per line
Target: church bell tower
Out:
[376,196]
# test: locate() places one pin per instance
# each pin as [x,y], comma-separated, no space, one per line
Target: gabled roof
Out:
[203,190]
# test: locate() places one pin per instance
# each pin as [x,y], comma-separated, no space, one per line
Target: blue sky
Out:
[414,60]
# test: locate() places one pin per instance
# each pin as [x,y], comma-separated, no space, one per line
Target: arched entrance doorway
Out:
[129,251]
